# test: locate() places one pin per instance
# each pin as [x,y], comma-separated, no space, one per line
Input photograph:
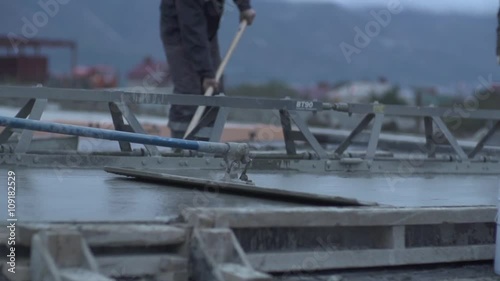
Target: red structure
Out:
[24,69]
[149,72]
[29,68]
[95,77]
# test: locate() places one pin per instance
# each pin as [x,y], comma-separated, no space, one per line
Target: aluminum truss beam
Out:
[288,112]
[235,102]
[159,99]
[432,116]
[119,101]
[415,111]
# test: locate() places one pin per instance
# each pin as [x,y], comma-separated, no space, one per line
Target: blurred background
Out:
[427,53]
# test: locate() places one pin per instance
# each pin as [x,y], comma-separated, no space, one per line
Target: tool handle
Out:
[243,25]
[236,40]
[210,91]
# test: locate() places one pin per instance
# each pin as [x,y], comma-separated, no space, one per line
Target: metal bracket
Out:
[485,139]
[287,132]
[210,114]
[23,113]
[27,135]
[236,155]
[136,126]
[304,130]
[286,125]
[363,124]
[220,121]
[290,136]
[117,117]
[244,176]
[453,141]
[430,144]
[374,136]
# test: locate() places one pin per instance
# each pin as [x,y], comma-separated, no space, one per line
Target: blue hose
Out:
[19,123]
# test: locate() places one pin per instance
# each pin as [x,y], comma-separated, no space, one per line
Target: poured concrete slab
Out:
[390,190]
[70,194]
[239,187]
[411,191]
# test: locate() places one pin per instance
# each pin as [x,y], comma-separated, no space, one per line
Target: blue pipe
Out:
[19,123]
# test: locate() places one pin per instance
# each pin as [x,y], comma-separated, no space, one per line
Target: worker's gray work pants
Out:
[187,82]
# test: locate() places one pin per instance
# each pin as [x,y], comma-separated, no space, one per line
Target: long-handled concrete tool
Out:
[234,153]
[210,91]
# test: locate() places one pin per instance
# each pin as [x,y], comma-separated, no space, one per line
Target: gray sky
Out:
[472,6]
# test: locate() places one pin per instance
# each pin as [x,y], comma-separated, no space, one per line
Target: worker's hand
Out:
[248,15]
[210,82]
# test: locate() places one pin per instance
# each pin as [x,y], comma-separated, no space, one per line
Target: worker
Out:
[498,37]
[189,33]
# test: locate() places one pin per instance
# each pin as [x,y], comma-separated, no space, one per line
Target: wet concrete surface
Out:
[413,191]
[94,195]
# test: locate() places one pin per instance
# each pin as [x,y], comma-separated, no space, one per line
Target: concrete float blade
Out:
[238,188]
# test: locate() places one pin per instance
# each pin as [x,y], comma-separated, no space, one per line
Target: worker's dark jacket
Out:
[189,35]
[194,23]
[498,33]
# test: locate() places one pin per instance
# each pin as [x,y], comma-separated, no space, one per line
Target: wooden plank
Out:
[317,260]
[312,217]
[139,265]
[239,188]
[111,235]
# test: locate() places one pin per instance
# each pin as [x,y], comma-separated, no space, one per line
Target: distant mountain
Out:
[295,42]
